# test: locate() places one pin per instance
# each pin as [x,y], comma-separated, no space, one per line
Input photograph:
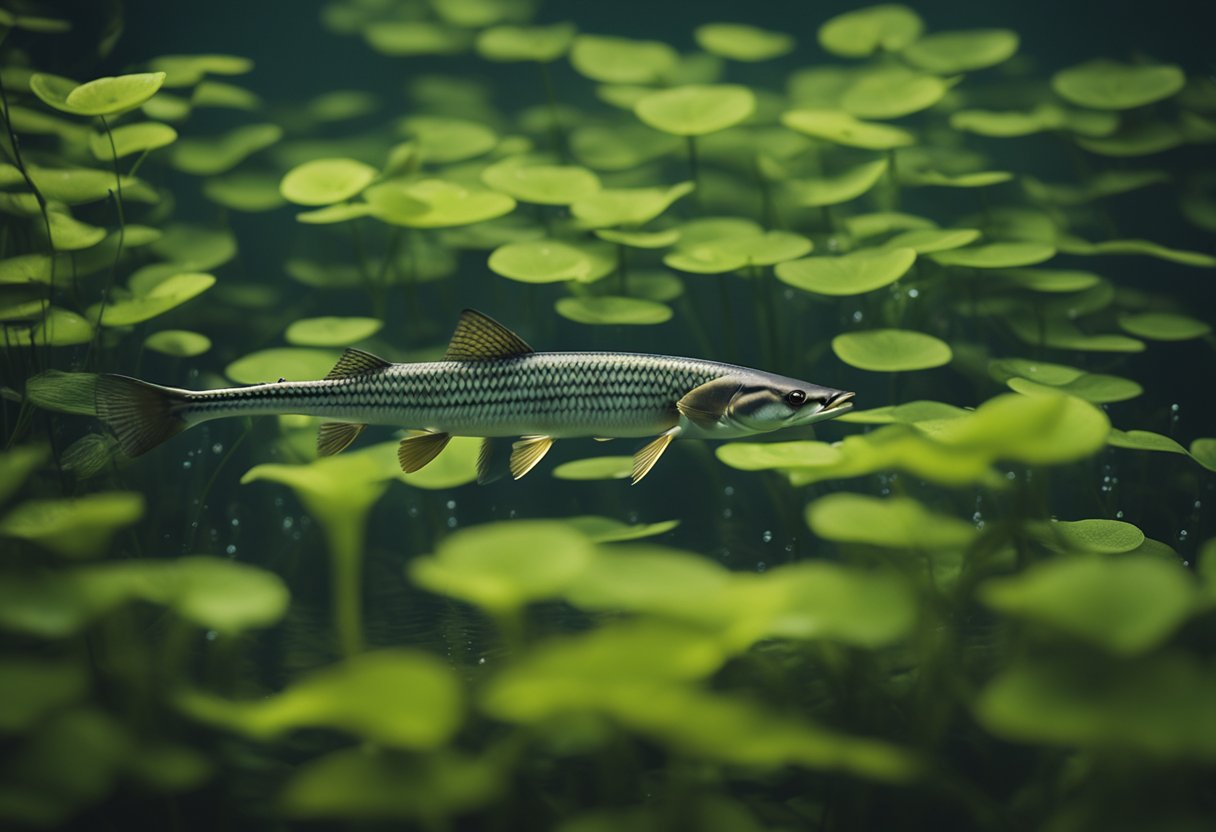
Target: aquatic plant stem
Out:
[19,163]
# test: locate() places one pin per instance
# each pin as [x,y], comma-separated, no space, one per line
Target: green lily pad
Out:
[1163,326]
[763,456]
[1144,440]
[61,328]
[138,307]
[933,178]
[727,249]
[195,247]
[865,226]
[696,110]
[1046,429]
[224,96]
[891,350]
[435,203]
[897,522]
[1137,140]
[244,191]
[542,44]
[888,27]
[855,273]
[1110,85]
[394,698]
[843,187]
[326,181]
[70,234]
[410,38]
[17,464]
[1203,451]
[188,70]
[614,60]
[26,268]
[1063,334]
[910,413]
[132,138]
[842,128]
[596,468]
[1033,376]
[443,140]
[996,255]
[500,567]
[632,239]
[1052,280]
[76,186]
[620,148]
[217,154]
[288,363]
[78,527]
[347,211]
[609,530]
[657,581]
[331,331]
[541,184]
[892,92]
[179,343]
[627,206]
[946,53]
[102,97]
[541,261]
[929,240]
[1126,605]
[1095,536]
[1070,244]
[740,42]
[606,310]
[662,286]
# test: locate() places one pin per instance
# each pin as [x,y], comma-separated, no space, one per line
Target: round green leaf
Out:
[1052,280]
[435,203]
[627,206]
[889,27]
[347,211]
[977,179]
[897,522]
[609,530]
[928,240]
[76,186]
[289,363]
[195,247]
[1108,537]
[842,128]
[633,239]
[526,43]
[541,261]
[1203,451]
[1110,85]
[131,138]
[541,184]
[847,185]
[696,110]
[102,97]
[1144,139]
[612,310]
[596,468]
[62,328]
[1163,326]
[855,273]
[179,343]
[996,255]
[167,294]
[620,148]
[326,181]
[331,331]
[70,234]
[408,38]
[614,60]
[1075,245]
[188,70]
[244,191]
[1044,429]
[740,42]
[893,92]
[946,53]
[1144,440]
[442,140]
[77,527]
[217,154]
[891,350]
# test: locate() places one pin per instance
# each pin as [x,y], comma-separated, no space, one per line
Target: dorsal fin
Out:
[355,363]
[480,338]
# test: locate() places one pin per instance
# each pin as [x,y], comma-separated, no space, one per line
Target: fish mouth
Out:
[838,403]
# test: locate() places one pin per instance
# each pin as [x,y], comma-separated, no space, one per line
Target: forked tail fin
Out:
[140,414]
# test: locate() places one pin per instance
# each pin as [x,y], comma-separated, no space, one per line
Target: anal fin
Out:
[527,451]
[417,450]
[492,460]
[336,437]
[648,455]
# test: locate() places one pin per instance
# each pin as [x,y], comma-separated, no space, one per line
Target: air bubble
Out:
[729,491]
[230,549]
[217,448]
[767,537]
[761,566]
[913,293]
[451,504]
[451,522]
[727,513]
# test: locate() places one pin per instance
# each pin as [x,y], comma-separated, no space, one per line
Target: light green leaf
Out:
[75,527]
[331,331]
[178,343]
[896,522]
[217,154]
[627,206]
[842,187]
[1110,85]
[596,468]
[130,139]
[946,53]
[855,273]
[541,184]
[326,181]
[696,110]
[526,43]
[608,310]
[888,27]
[842,128]
[892,92]
[615,60]
[996,255]
[891,350]
[435,203]
[1163,326]
[741,42]
[288,363]
[102,97]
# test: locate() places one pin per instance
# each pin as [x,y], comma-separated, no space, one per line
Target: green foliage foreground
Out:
[967,627]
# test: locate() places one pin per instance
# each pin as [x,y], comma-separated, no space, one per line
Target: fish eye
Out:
[795,398]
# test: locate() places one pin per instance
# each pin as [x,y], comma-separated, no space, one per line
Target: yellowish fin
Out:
[527,451]
[645,458]
[416,451]
[336,437]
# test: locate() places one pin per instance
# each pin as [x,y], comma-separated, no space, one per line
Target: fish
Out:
[490,384]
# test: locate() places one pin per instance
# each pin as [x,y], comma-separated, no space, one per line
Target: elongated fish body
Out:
[490,384]
[557,394]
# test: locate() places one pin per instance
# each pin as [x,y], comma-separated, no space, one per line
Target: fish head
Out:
[769,402]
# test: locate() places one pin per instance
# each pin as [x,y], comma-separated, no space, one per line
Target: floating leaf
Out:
[696,110]
[1108,537]
[159,299]
[1144,440]
[435,203]
[656,581]
[627,206]
[1163,326]
[456,466]
[741,42]
[502,566]
[326,181]
[978,179]
[889,27]
[1063,334]
[892,92]
[606,310]
[347,211]
[608,530]
[76,186]
[891,350]
[897,522]
[16,465]
[77,527]
[244,191]
[178,343]
[1093,387]
[1126,605]
[616,60]
[763,456]
[633,239]
[855,273]
[1075,245]
[131,138]
[407,38]
[103,97]
[620,148]
[946,53]
[996,255]
[70,234]
[331,331]
[1110,85]
[188,70]
[842,128]
[1039,430]
[541,184]
[288,363]
[1136,140]
[842,187]
[541,261]
[726,248]
[928,240]
[394,698]
[217,154]
[195,247]
[596,468]
[542,44]
[1052,280]
[62,328]
[1203,451]
[442,140]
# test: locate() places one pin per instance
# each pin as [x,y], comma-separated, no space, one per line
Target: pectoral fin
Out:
[527,451]
[418,449]
[704,406]
[335,437]
[645,458]
[492,460]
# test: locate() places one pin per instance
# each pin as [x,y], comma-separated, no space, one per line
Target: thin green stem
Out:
[122,237]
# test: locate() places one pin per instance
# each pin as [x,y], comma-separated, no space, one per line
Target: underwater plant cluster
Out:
[985,599]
